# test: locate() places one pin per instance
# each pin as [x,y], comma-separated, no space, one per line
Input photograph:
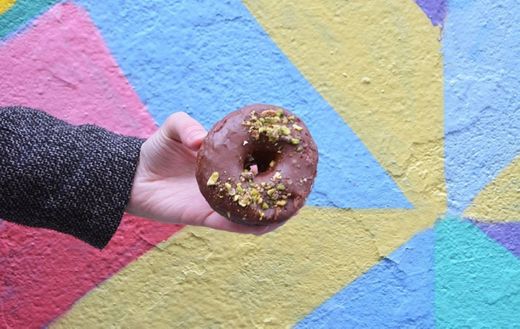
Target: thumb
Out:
[184,129]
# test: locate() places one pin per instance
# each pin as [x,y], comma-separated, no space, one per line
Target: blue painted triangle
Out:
[211,57]
[481,66]
[396,293]
[477,281]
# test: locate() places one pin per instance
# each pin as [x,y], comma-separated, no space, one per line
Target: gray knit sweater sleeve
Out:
[72,179]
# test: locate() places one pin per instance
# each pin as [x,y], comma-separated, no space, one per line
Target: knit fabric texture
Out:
[72,179]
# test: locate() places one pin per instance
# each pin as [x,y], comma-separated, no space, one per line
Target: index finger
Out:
[216,221]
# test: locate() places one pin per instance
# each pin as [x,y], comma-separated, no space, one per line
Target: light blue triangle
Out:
[396,293]
[211,57]
[481,47]
[477,281]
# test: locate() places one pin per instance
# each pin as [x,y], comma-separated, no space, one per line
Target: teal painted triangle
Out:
[21,13]
[396,293]
[477,281]
[211,57]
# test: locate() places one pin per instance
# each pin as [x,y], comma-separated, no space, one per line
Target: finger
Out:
[218,222]
[270,228]
[185,129]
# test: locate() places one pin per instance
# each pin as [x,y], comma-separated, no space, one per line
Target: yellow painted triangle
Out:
[378,64]
[500,200]
[207,279]
[5,5]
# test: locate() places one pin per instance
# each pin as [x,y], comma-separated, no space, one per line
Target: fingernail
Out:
[196,139]
[197,136]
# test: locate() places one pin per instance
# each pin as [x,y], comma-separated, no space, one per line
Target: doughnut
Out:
[257,165]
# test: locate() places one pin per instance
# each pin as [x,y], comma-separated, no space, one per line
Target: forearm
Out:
[73,179]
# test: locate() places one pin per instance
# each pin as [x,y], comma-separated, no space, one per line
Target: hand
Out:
[165,188]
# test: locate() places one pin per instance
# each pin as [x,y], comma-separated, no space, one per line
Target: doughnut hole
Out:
[262,158]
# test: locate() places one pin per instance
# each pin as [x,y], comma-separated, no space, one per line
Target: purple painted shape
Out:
[434,9]
[508,234]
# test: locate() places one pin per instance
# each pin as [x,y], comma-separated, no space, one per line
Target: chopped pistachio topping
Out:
[213,179]
[230,190]
[246,193]
[274,125]
[296,127]
[277,176]
[244,202]
[272,163]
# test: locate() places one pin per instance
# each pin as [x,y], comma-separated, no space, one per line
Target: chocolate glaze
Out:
[223,151]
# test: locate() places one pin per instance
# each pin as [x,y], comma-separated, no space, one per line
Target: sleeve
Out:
[72,179]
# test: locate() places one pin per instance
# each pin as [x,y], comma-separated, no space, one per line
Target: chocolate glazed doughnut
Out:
[257,165]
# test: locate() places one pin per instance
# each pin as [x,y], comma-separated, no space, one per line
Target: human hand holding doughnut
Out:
[165,188]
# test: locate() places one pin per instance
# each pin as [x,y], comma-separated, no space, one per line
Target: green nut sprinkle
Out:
[273,125]
[213,179]
[296,127]
[277,176]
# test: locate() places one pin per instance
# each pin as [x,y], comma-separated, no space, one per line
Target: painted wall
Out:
[415,107]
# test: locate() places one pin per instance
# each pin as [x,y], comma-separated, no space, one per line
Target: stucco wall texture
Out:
[415,107]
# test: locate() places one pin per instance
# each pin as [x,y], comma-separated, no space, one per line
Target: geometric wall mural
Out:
[414,220]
